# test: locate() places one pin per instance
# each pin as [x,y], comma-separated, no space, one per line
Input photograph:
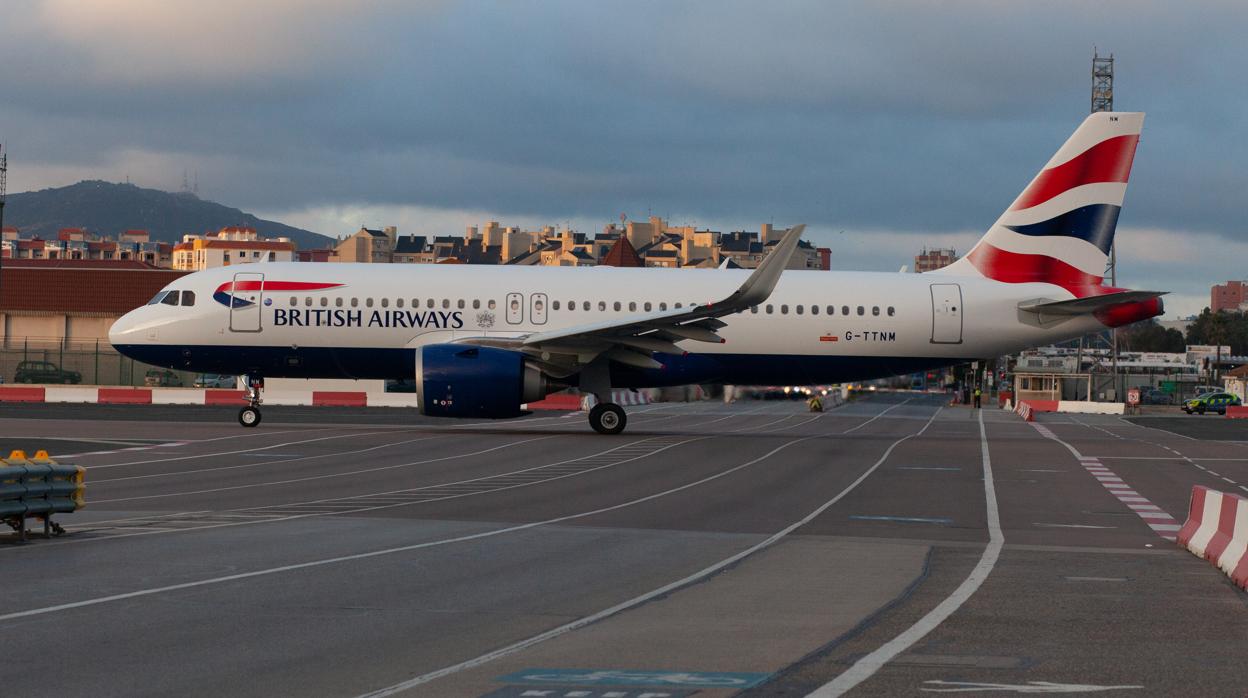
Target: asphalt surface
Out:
[893,546]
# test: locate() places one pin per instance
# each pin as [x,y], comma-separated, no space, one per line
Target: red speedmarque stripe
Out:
[1107,161]
[1019,268]
[274,286]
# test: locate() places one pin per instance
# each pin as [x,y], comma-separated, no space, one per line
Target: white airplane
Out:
[480,341]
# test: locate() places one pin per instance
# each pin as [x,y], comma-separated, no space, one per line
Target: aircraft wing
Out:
[632,338]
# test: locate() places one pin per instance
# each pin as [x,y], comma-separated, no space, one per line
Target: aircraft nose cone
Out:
[123,330]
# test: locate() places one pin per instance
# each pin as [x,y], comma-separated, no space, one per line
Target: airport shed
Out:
[72,300]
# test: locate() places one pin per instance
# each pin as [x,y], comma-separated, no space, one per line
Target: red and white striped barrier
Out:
[1217,530]
[1023,410]
[198,396]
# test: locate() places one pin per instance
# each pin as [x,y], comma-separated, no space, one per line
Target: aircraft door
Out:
[537,308]
[246,298]
[515,308]
[946,314]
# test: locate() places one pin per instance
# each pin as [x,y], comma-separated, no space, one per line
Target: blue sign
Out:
[629,677]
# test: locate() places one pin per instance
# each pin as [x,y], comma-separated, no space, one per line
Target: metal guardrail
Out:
[37,488]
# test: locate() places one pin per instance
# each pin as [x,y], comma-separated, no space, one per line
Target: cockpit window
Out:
[158,297]
[170,298]
[188,298]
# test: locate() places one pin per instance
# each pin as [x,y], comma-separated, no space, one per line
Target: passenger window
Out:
[861,310]
[648,306]
[875,310]
[307,300]
[814,310]
[844,310]
[891,311]
[355,302]
[429,303]
[617,306]
[294,301]
[446,303]
[678,305]
[771,309]
[602,305]
[338,302]
[831,310]
[476,303]
[368,302]
[784,309]
[398,302]
[490,304]
[571,305]
[188,298]
[554,305]
[754,309]
[170,298]
[385,302]
[460,304]
[662,306]
[798,309]
[585,305]
[324,301]
[632,306]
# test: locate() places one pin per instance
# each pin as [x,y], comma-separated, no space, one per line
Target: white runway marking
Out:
[655,593]
[867,666]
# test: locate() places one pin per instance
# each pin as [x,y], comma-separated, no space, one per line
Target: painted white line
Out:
[231,453]
[1053,525]
[881,414]
[655,593]
[865,667]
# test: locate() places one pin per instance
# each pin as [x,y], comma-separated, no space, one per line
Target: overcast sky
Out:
[901,124]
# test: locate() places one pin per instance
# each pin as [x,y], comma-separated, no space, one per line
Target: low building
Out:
[1230,296]
[367,245]
[233,245]
[933,259]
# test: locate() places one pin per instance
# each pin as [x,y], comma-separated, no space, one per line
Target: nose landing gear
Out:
[249,416]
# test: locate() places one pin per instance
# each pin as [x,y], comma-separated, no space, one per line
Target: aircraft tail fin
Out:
[1060,228]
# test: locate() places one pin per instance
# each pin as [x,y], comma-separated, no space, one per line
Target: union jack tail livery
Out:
[1059,230]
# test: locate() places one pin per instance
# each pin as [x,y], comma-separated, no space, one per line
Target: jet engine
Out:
[457,380]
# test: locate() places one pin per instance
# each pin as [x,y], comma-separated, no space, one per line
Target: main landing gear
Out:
[607,418]
[249,416]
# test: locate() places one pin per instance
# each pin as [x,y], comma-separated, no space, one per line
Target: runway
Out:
[892,546]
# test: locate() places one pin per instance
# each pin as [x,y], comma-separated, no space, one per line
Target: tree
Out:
[1147,335]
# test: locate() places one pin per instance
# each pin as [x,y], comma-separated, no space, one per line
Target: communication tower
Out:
[4,175]
[1102,82]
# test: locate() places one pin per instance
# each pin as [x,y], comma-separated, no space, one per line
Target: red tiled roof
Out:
[622,254]
[132,264]
[108,289]
[10,229]
[248,245]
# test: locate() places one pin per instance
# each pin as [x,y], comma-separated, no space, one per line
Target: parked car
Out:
[1211,402]
[44,372]
[1156,396]
[162,378]
[215,380]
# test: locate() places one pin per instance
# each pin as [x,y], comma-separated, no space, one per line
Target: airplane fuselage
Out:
[367,320]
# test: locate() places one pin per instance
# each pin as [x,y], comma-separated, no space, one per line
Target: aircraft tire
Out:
[607,418]
[249,416]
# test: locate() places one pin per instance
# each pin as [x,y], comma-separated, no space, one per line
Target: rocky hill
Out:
[108,209]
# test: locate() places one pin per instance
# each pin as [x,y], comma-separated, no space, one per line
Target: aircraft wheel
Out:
[249,416]
[607,418]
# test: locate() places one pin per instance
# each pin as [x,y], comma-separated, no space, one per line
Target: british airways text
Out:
[335,317]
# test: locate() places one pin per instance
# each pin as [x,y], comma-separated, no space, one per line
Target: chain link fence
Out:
[93,362]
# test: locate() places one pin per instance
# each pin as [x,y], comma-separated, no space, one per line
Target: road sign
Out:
[1133,397]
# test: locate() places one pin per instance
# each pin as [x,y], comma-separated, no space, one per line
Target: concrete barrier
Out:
[1085,407]
[14,393]
[1237,412]
[1217,530]
[1023,410]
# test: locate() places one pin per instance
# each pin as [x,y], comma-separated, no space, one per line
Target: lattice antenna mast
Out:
[4,177]
[1102,82]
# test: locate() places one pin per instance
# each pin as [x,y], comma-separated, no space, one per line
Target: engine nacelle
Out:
[459,380]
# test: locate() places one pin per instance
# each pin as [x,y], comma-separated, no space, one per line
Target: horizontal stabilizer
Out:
[1091,304]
